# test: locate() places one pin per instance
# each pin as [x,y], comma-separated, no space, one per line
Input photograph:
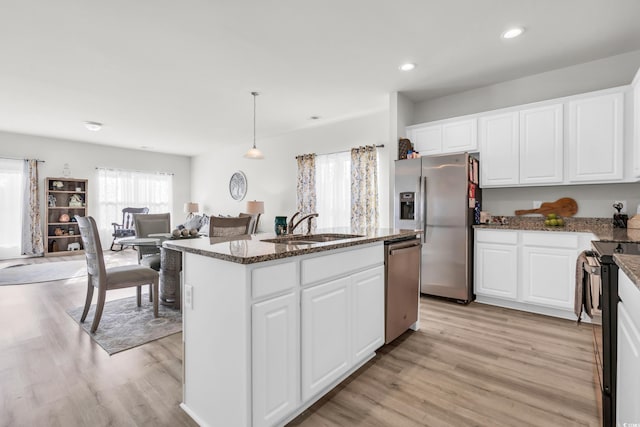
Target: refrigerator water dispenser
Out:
[407,205]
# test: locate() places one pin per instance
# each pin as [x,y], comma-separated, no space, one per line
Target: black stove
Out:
[606,250]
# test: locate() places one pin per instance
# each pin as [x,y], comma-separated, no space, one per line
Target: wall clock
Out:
[238,185]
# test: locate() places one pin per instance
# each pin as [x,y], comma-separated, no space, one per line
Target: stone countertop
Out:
[630,264]
[251,249]
[602,228]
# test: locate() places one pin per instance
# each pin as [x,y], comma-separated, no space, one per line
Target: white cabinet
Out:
[367,290]
[499,150]
[445,137]
[522,148]
[275,359]
[528,270]
[460,136]
[496,271]
[548,276]
[325,335]
[628,363]
[596,138]
[342,325]
[541,145]
[636,125]
[427,140]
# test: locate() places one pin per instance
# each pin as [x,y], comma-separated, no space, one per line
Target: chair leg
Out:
[99,308]
[155,300]
[150,293]
[139,295]
[87,302]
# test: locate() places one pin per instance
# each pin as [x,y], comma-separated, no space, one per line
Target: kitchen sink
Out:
[310,239]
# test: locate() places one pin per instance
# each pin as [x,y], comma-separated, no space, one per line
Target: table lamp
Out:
[190,208]
[255,208]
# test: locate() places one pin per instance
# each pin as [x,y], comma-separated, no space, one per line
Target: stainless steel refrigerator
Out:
[438,195]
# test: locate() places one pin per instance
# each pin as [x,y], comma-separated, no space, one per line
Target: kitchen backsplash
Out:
[593,200]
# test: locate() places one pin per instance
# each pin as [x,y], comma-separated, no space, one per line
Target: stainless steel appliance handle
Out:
[405,249]
[424,210]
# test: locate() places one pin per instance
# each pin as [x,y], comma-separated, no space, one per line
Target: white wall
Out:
[273,180]
[593,200]
[83,158]
[401,110]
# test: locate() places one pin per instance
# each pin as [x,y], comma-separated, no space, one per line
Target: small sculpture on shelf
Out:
[64,218]
[75,201]
[57,185]
[52,201]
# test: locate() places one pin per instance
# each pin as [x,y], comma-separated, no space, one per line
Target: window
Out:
[11,194]
[119,189]
[333,189]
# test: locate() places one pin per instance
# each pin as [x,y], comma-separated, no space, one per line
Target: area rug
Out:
[124,325]
[45,272]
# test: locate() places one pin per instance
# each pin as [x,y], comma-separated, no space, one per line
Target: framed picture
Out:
[238,185]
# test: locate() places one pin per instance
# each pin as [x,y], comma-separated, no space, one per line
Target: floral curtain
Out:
[306,188]
[364,188]
[31,231]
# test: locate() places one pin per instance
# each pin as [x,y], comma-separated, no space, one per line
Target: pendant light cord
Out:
[254,118]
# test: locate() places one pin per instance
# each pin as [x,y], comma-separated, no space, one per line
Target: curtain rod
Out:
[20,158]
[343,151]
[132,170]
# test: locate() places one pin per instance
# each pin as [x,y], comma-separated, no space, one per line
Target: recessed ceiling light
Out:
[512,33]
[407,67]
[93,126]
[314,117]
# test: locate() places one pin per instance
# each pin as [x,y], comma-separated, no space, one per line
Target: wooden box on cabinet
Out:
[65,197]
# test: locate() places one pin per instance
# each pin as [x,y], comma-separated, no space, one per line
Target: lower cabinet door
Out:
[628,378]
[276,363]
[548,276]
[325,335]
[367,292]
[496,270]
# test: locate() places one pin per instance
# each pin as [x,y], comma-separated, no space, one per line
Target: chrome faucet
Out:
[292,226]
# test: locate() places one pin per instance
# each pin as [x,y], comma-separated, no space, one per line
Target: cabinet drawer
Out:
[340,264]
[550,238]
[497,236]
[273,279]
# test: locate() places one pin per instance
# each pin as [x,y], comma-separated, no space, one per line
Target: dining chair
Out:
[105,279]
[223,227]
[151,224]
[127,227]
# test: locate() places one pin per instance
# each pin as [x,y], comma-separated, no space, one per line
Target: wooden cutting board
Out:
[565,206]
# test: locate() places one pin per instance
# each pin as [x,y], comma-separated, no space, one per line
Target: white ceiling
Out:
[176,76]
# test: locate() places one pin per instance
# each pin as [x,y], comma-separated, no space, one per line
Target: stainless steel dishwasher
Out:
[402,286]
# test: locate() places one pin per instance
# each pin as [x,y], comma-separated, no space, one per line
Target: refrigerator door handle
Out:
[424,210]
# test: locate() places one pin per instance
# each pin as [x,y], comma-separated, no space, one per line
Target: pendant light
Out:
[254,153]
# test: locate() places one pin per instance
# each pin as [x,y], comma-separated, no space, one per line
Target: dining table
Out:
[170,266]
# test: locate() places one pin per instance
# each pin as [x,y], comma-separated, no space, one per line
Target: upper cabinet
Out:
[447,137]
[427,140]
[580,139]
[522,147]
[596,140]
[460,136]
[541,147]
[499,150]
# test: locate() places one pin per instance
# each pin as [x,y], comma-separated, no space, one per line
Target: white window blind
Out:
[11,188]
[119,189]
[333,189]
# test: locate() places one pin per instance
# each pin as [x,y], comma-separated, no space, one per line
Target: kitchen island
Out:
[270,327]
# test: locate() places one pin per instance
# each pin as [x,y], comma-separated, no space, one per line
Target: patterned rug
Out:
[124,325]
[45,272]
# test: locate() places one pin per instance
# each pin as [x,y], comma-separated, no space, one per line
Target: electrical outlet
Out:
[624,205]
[536,204]
[188,296]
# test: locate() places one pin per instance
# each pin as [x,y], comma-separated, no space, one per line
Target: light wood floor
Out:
[469,365]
